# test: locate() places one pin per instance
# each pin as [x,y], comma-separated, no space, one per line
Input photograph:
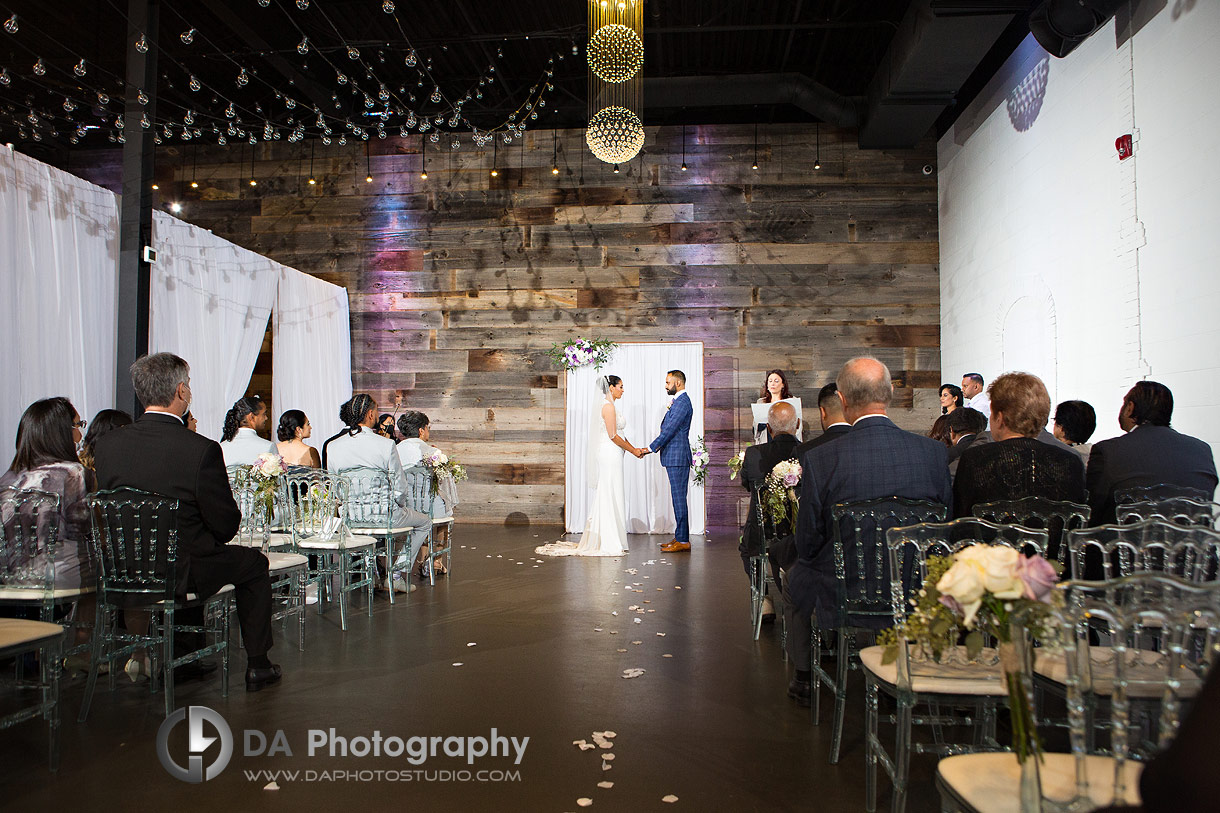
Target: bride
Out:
[606,531]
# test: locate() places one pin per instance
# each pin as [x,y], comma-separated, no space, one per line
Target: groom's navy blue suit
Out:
[673,444]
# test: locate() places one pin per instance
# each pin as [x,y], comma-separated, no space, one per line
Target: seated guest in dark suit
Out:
[1075,422]
[1016,464]
[1150,454]
[965,424]
[760,459]
[159,454]
[830,410]
[875,459]
[940,430]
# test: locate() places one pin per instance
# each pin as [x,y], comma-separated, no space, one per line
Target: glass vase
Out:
[1016,661]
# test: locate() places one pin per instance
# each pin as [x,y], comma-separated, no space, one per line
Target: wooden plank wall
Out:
[460,283]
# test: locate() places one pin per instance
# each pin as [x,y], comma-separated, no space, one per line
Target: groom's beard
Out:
[671,390]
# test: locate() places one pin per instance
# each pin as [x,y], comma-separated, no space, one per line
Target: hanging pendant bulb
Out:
[103,99]
[352,53]
[289,102]
[436,95]
[5,78]
[411,58]
[187,37]
[264,4]
[142,44]
[79,69]
[303,46]
[341,79]
[142,98]
[194,84]
[68,105]
[40,67]
[243,78]
[144,122]
[10,25]
[387,7]
[303,5]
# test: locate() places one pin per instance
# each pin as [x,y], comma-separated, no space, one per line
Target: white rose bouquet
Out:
[779,497]
[699,460]
[443,468]
[983,589]
[735,463]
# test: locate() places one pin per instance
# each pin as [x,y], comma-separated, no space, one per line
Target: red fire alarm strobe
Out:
[1123,145]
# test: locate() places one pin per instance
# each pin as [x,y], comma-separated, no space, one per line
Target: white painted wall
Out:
[1059,259]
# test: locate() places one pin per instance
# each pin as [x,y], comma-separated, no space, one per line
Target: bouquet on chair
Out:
[264,476]
[779,498]
[990,590]
[699,460]
[440,466]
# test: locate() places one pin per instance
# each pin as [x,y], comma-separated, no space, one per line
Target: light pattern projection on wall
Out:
[615,53]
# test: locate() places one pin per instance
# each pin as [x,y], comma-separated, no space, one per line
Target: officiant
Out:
[774,389]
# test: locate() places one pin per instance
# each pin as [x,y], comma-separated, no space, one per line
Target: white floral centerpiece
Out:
[582,352]
[266,471]
[699,460]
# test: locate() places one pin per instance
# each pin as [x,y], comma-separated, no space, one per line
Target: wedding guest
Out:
[976,396]
[1149,454]
[950,398]
[242,441]
[360,447]
[412,451]
[385,426]
[874,459]
[1074,425]
[190,421]
[1016,464]
[940,430]
[759,460]
[774,388]
[46,460]
[830,411]
[102,422]
[293,431]
[965,425]
[158,454]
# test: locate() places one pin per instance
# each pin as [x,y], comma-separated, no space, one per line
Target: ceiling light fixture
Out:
[368,166]
[754,166]
[423,158]
[817,158]
[495,147]
[684,148]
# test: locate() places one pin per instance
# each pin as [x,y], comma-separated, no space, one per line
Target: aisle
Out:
[543,655]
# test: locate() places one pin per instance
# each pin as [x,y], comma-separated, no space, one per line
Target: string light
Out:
[554,152]
[423,159]
[817,160]
[312,180]
[368,167]
[494,157]
[684,148]
[754,166]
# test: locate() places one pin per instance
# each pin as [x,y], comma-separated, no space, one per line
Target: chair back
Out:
[29,534]
[769,530]
[371,498]
[1165,633]
[259,512]
[134,544]
[861,554]
[1178,510]
[1161,491]
[313,502]
[1156,546]
[1053,516]
[419,489]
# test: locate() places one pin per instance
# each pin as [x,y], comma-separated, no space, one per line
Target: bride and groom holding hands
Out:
[606,531]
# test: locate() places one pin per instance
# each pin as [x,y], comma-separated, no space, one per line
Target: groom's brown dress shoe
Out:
[676,547]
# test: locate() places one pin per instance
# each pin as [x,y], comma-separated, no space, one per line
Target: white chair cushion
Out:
[353,542]
[990,783]
[10,593]
[441,520]
[17,632]
[274,540]
[1146,672]
[934,678]
[228,588]
[279,562]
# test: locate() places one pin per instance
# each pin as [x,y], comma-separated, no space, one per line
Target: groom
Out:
[674,445]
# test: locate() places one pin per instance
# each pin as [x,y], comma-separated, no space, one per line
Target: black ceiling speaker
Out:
[1060,25]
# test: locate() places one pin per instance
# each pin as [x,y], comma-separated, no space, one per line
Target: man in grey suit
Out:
[874,459]
[1150,454]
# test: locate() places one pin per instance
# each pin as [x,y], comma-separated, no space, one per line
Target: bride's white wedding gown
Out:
[606,530]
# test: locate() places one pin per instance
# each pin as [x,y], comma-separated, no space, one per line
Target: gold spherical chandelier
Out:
[615,135]
[615,53]
[616,60]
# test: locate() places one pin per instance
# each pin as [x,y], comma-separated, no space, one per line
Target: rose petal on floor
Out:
[636,620]
[606,766]
[632,673]
[459,663]
[637,642]
[605,785]
[667,655]
[584,801]
[472,643]
[670,799]
[609,757]
[621,650]
[271,786]
[676,587]
[609,735]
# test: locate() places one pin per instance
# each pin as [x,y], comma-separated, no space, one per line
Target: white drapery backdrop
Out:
[311,337]
[211,301]
[645,484]
[59,250]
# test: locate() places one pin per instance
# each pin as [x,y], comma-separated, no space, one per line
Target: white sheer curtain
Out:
[311,341]
[59,252]
[211,301]
[646,486]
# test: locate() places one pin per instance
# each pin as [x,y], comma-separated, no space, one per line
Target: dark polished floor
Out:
[711,725]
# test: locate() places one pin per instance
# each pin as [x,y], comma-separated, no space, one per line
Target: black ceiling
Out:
[836,47]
